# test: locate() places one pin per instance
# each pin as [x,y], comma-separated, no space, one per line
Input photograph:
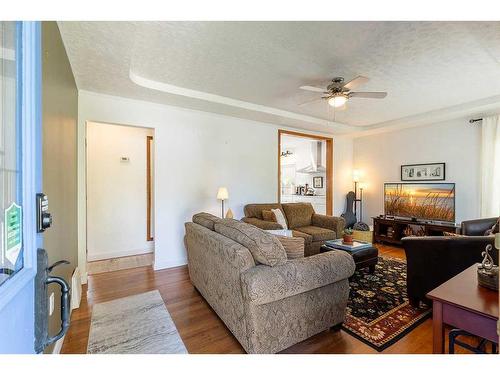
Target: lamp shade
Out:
[356,175]
[222,193]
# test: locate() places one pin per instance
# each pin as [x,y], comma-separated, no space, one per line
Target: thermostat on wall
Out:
[124,159]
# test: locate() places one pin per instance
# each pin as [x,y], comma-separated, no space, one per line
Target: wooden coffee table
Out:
[462,303]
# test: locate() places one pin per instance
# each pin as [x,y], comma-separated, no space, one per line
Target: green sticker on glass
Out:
[13,232]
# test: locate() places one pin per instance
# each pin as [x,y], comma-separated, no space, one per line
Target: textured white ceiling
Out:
[424,66]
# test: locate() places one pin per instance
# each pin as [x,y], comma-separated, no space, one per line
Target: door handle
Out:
[58,263]
[65,304]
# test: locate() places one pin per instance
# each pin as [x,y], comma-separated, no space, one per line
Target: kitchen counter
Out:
[318,201]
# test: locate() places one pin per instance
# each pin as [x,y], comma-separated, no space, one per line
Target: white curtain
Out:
[490,167]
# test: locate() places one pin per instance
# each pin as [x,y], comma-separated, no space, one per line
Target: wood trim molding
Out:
[329,164]
[149,195]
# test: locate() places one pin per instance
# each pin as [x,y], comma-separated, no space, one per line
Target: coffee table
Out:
[366,257]
[462,303]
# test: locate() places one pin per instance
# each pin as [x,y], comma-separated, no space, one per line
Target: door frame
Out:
[29,97]
[82,188]
[149,186]
[329,164]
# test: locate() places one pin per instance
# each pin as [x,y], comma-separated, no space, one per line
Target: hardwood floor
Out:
[198,325]
[121,263]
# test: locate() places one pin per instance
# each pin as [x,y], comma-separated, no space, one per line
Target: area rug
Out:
[378,311]
[138,324]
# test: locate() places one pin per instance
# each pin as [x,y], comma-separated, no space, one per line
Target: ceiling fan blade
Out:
[313,88]
[369,95]
[310,101]
[358,81]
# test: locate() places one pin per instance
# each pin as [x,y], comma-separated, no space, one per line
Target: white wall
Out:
[195,153]
[457,143]
[116,191]
[342,172]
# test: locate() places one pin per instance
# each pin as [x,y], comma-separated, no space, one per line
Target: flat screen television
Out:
[421,201]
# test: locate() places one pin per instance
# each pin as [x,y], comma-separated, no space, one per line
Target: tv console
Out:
[391,230]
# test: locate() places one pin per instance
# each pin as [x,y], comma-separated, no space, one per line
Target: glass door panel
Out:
[11,257]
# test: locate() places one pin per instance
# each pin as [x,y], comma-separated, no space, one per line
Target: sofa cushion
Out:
[268,215]
[255,209]
[262,224]
[294,246]
[261,285]
[317,233]
[205,219]
[265,247]
[298,214]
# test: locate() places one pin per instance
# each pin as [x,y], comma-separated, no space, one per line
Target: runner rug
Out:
[378,311]
[138,324]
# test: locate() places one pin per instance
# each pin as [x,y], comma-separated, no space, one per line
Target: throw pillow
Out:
[280,218]
[294,246]
[265,248]
[268,215]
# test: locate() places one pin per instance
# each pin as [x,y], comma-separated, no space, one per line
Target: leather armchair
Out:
[477,227]
[433,260]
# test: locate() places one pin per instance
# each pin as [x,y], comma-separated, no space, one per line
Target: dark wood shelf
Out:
[381,226]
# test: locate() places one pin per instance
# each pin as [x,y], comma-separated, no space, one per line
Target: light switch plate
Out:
[51,304]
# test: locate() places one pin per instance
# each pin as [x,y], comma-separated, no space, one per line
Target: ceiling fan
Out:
[337,93]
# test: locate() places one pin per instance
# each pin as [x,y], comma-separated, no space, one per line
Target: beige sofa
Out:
[267,308]
[302,220]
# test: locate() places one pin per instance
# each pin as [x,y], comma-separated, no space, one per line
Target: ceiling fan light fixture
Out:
[337,100]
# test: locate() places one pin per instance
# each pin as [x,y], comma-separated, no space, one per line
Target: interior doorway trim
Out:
[149,186]
[329,164]
[82,187]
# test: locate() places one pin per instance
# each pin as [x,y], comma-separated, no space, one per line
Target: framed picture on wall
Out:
[318,182]
[423,172]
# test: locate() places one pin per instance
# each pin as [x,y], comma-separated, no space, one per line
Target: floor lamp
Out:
[222,195]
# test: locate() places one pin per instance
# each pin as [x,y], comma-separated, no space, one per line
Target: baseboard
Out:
[76,289]
[160,265]
[58,346]
[116,254]
[84,278]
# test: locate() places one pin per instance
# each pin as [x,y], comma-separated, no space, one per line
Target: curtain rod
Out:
[473,120]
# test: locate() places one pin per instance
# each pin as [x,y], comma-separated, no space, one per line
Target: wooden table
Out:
[462,303]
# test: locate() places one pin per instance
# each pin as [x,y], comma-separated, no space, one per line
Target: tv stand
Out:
[391,230]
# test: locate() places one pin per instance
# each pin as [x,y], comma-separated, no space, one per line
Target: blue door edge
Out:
[29,65]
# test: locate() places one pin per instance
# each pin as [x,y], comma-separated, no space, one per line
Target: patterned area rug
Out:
[378,312]
[138,324]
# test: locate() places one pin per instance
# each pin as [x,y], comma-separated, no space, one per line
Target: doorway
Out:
[305,170]
[120,197]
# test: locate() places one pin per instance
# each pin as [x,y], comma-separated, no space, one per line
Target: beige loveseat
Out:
[302,220]
[267,307]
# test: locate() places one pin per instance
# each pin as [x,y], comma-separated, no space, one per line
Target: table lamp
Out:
[222,195]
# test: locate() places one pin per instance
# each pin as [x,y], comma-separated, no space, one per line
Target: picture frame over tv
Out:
[421,201]
[423,172]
